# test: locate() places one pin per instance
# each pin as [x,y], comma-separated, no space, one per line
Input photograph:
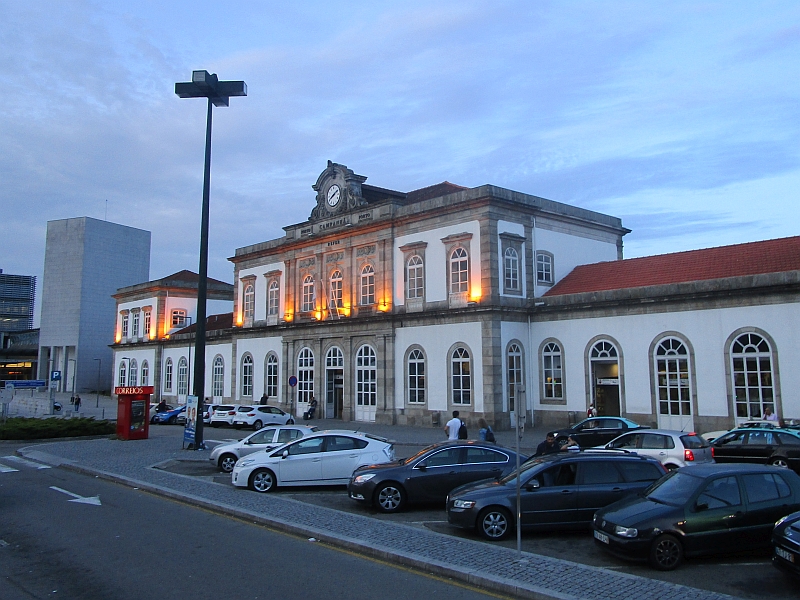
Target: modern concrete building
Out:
[86,261]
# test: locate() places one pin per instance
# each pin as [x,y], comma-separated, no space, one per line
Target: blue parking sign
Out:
[55,376]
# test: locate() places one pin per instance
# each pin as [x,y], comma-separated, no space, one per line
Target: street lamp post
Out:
[99,365]
[218,93]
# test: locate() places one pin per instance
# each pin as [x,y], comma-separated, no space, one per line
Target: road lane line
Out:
[5,469]
[94,500]
[28,463]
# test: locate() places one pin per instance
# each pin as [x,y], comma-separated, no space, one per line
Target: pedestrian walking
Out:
[77,403]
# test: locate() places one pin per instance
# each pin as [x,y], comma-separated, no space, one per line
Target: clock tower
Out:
[338,191]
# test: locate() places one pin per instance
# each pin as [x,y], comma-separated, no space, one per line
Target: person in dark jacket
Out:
[548,446]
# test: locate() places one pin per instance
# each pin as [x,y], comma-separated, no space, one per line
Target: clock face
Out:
[334,194]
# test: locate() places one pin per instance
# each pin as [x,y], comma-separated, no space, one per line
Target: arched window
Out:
[133,374]
[416,377]
[511,270]
[168,375]
[367,285]
[672,378]
[415,277]
[218,378]
[249,304]
[366,377]
[336,289]
[552,375]
[145,373]
[123,374]
[305,375]
[247,375]
[603,349]
[514,374]
[271,376]
[459,271]
[334,358]
[461,377]
[273,298]
[308,294]
[753,377]
[183,377]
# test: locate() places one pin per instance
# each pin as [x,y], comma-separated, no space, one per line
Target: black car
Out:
[596,431]
[705,509]
[557,491]
[786,544]
[430,474]
[778,447]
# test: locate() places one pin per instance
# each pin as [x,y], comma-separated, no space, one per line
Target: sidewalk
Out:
[489,567]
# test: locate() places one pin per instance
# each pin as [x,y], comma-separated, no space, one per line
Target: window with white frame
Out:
[271,376]
[752,376]
[146,328]
[183,377]
[168,375]
[544,268]
[178,317]
[145,373]
[308,294]
[513,374]
[672,377]
[366,377]
[273,298]
[415,277]
[459,271]
[305,375]
[552,375]
[133,373]
[123,374]
[249,301]
[336,289]
[135,325]
[247,375]
[461,378]
[367,285]
[124,325]
[511,269]
[416,377]
[218,378]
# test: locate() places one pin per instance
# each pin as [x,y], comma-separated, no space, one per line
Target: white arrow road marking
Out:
[5,469]
[79,499]
[28,463]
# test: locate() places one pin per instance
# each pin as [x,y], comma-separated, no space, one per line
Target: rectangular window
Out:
[178,317]
[135,324]
[273,298]
[544,268]
[125,325]
[146,329]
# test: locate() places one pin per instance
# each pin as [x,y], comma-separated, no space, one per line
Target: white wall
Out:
[261,289]
[569,251]
[259,348]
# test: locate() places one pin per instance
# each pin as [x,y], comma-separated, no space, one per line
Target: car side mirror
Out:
[533,484]
[285,454]
[701,506]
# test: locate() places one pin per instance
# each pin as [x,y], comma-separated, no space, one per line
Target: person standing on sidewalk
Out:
[453,426]
[77,403]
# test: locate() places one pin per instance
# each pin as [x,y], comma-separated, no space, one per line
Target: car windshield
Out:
[526,469]
[674,489]
[694,442]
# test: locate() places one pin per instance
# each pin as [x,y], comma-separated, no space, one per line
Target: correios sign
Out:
[128,391]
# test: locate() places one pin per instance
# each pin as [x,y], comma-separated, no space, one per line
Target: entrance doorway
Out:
[605,379]
[334,383]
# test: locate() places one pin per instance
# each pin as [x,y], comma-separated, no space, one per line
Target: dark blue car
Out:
[169,416]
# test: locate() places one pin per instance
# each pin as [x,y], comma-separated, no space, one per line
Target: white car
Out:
[258,416]
[323,458]
[225,456]
[223,415]
[674,449]
[208,412]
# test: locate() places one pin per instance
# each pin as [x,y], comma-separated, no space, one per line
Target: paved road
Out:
[67,535]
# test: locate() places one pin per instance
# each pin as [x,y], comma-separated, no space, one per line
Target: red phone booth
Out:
[133,410]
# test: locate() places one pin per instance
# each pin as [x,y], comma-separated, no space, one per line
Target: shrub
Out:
[21,428]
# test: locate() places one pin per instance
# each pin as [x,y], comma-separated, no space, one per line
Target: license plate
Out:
[601,536]
[784,554]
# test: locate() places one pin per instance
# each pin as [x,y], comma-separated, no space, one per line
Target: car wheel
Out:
[779,461]
[290,422]
[666,553]
[226,462]
[389,498]
[257,425]
[262,480]
[494,523]
[172,420]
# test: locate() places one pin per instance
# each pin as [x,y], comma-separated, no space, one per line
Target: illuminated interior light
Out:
[475,294]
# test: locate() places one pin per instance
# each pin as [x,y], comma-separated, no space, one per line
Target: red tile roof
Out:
[739,260]
[214,322]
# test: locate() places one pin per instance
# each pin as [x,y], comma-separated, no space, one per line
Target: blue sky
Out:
[681,118]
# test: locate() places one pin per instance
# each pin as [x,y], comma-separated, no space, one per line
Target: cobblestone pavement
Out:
[490,567]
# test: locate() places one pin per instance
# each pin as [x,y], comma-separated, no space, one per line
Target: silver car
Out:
[225,456]
[673,448]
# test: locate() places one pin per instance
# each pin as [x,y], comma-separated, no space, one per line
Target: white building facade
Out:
[402,307]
